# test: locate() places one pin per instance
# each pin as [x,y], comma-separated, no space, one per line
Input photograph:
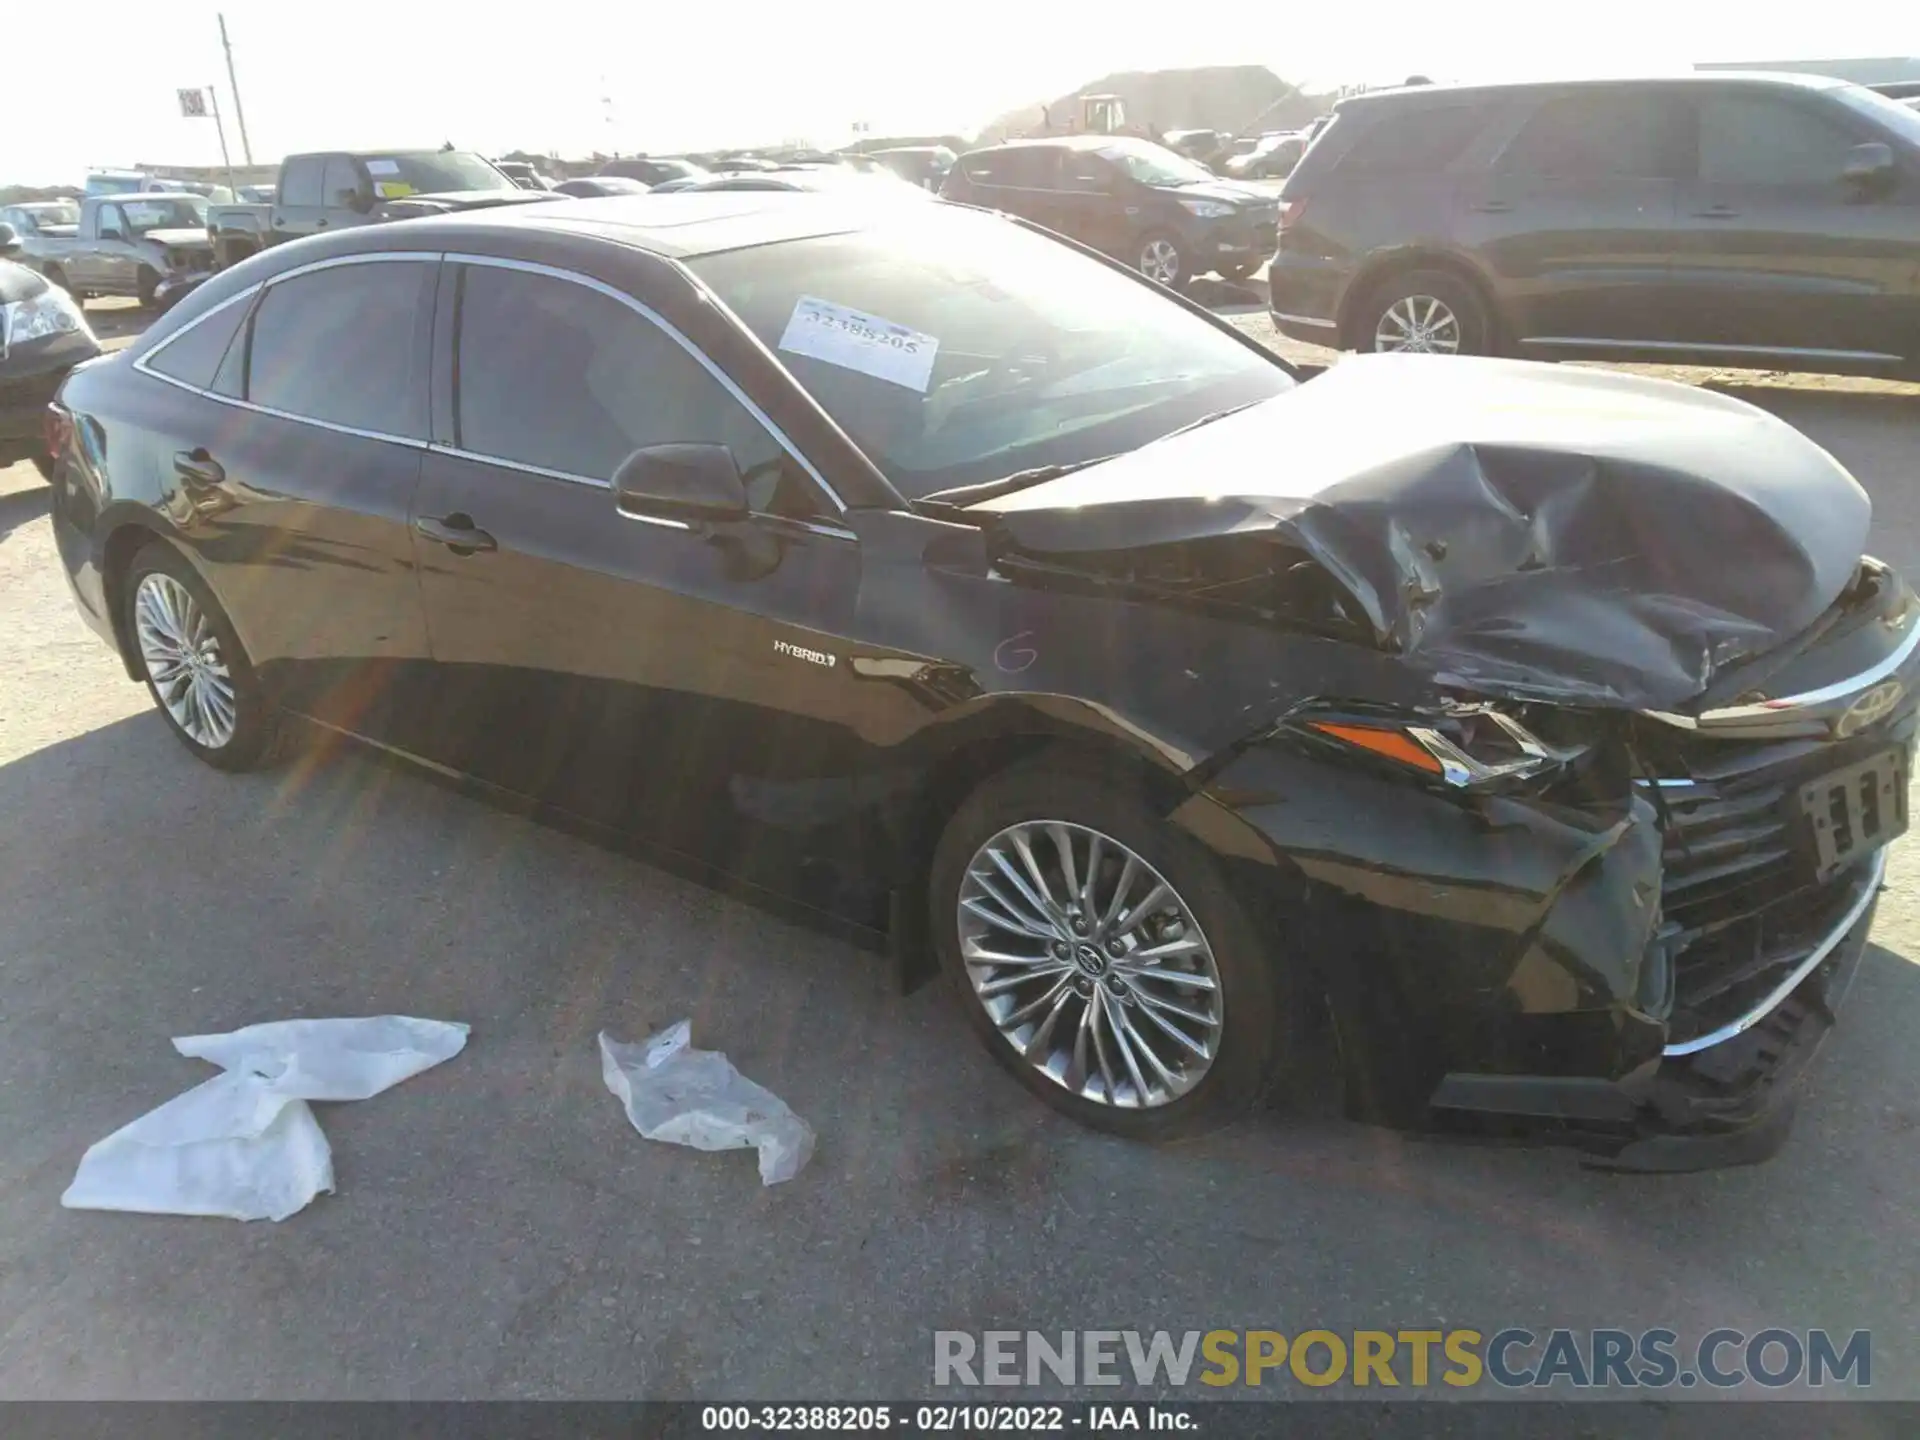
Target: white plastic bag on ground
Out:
[244,1144]
[684,1096]
[331,1059]
[229,1147]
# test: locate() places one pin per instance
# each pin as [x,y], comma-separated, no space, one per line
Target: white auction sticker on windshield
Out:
[856,340]
[383,167]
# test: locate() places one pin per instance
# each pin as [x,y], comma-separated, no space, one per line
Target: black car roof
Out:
[1445,94]
[677,225]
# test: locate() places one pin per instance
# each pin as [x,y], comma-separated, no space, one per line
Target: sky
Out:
[577,77]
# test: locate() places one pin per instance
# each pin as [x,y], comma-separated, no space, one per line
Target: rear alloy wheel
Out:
[1160,260]
[195,668]
[1425,312]
[1100,954]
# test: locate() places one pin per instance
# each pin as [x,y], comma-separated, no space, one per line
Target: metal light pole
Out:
[233,84]
[213,99]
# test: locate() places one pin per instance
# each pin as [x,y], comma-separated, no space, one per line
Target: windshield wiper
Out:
[961,496]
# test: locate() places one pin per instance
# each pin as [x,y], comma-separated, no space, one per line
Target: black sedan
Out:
[1545,728]
[43,335]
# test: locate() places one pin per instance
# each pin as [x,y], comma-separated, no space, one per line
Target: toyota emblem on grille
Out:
[1869,709]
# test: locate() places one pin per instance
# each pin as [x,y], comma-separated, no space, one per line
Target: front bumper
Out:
[1728,1104]
[1304,294]
[1244,238]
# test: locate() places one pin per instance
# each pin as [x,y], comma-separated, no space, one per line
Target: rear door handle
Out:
[1717,212]
[456,532]
[197,467]
[1493,207]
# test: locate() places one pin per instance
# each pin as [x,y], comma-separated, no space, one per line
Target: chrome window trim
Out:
[1788,706]
[1706,347]
[1839,932]
[652,316]
[407,441]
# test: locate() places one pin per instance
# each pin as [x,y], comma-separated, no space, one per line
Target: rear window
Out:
[193,355]
[1413,139]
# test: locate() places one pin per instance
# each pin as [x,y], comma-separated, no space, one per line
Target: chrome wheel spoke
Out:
[1049,920]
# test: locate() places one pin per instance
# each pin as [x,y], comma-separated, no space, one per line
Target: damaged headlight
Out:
[1475,747]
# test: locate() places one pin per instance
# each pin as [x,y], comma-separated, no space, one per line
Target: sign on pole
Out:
[193,103]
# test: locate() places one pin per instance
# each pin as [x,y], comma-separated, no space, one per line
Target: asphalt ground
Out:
[499,1231]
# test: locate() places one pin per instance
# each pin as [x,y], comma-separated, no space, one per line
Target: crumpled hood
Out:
[1512,528]
[181,238]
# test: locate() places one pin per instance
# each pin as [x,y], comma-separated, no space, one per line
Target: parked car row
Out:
[43,335]
[153,247]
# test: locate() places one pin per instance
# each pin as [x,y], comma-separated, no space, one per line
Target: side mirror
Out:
[9,241]
[681,482]
[1868,166]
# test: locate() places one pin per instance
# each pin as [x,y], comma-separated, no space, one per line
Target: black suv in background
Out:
[1766,219]
[1139,202]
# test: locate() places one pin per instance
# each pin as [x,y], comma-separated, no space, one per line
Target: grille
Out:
[1737,880]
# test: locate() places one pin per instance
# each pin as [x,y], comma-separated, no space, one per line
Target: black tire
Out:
[1473,324]
[256,724]
[1061,785]
[144,285]
[56,276]
[1156,243]
[1236,273]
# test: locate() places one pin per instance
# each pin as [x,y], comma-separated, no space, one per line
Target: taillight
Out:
[1291,211]
[57,428]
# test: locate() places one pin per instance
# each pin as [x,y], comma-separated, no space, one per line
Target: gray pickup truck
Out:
[330,190]
[153,246]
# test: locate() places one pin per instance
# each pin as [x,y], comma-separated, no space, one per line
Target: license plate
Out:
[1855,811]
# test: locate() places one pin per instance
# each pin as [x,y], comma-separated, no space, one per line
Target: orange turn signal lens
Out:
[1390,743]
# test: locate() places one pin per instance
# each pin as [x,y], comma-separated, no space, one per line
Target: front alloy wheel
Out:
[1101,953]
[1090,964]
[1160,260]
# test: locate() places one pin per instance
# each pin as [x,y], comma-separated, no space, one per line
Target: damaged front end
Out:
[1581,803]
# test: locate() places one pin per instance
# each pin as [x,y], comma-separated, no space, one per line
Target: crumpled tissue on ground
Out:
[245,1144]
[684,1096]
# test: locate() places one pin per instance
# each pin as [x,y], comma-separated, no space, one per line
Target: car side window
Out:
[1761,140]
[1032,167]
[342,345]
[1592,135]
[111,221]
[341,182]
[300,181]
[194,355]
[554,374]
[1085,173]
[984,169]
[1422,141]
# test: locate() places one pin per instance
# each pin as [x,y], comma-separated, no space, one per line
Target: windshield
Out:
[1891,114]
[54,212]
[1152,164]
[955,348]
[432,172]
[176,212]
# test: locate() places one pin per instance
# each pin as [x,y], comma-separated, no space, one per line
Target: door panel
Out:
[306,531]
[1779,252]
[632,671]
[1577,219]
